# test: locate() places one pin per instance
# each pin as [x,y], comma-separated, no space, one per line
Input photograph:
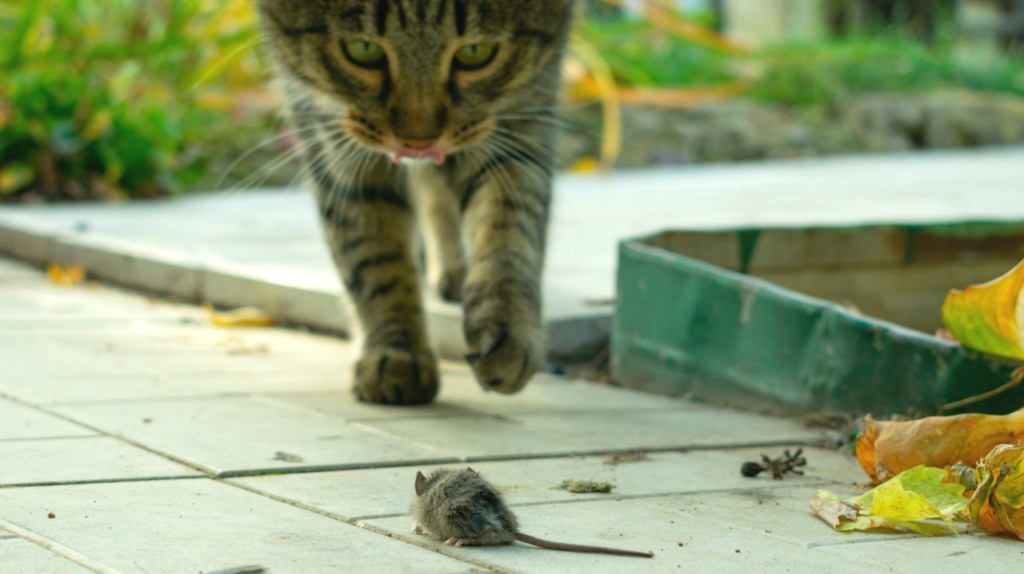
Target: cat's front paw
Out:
[396,377]
[503,355]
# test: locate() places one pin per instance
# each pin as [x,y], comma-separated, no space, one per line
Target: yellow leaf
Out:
[909,502]
[67,276]
[989,317]
[241,317]
[895,503]
[586,164]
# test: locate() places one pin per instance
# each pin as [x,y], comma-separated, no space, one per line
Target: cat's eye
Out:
[475,56]
[364,54]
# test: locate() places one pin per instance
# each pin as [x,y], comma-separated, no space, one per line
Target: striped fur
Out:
[482,215]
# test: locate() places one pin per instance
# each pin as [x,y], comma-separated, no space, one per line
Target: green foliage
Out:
[642,56]
[801,75]
[823,72]
[114,98]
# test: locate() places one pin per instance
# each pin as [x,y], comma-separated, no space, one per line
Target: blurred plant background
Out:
[125,98]
[113,99]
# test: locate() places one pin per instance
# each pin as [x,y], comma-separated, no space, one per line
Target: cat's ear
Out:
[421,484]
[470,469]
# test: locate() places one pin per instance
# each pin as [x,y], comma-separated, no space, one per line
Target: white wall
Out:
[759,22]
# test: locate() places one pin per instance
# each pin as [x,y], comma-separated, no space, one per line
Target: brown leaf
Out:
[886,449]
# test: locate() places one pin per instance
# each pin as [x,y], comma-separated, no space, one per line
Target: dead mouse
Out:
[459,506]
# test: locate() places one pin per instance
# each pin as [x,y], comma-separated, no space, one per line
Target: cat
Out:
[432,121]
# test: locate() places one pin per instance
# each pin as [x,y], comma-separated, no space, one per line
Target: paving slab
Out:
[462,395]
[20,555]
[375,493]
[252,435]
[26,300]
[741,531]
[152,385]
[146,348]
[474,438]
[201,526]
[19,422]
[185,448]
[81,459]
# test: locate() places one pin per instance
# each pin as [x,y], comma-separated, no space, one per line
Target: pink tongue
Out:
[434,153]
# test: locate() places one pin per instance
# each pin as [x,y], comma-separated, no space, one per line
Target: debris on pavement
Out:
[585,486]
[238,347]
[240,570]
[287,456]
[626,457]
[779,467]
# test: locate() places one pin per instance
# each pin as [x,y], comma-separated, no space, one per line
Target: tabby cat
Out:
[436,112]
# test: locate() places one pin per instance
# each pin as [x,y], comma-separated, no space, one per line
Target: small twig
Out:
[779,467]
[1016,378]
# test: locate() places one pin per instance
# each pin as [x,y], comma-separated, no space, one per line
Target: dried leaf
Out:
[998,503]
[834,511]
[242,317]
[886,449]
[909,502]
[989,317]
[67,276]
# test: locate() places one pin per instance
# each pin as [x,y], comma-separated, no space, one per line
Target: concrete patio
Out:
[137,438]
[159,443]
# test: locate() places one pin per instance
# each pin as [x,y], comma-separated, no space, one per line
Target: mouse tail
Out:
[541,543]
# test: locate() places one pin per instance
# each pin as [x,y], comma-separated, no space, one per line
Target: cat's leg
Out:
[505,219]
[369,230]
[438,210]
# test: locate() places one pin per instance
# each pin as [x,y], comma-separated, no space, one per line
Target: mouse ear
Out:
[421,483]
[470,469]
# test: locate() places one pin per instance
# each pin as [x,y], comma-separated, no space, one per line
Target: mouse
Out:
[463,509]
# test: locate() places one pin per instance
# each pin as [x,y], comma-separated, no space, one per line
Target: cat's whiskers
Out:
[289,153]
[533,165]
[285,157]
[501,173]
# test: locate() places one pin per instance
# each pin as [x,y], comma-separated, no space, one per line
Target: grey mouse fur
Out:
[463,509]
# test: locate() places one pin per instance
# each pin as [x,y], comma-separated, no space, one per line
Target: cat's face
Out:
[419,78]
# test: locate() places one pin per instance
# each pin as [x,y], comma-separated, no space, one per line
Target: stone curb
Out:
[227,284]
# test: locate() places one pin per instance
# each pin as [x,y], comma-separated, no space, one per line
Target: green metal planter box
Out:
[817,320]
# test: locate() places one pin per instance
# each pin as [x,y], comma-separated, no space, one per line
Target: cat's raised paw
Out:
[396,377]
[503,356]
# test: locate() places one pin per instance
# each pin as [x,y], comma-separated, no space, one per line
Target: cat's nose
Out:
[419,144]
